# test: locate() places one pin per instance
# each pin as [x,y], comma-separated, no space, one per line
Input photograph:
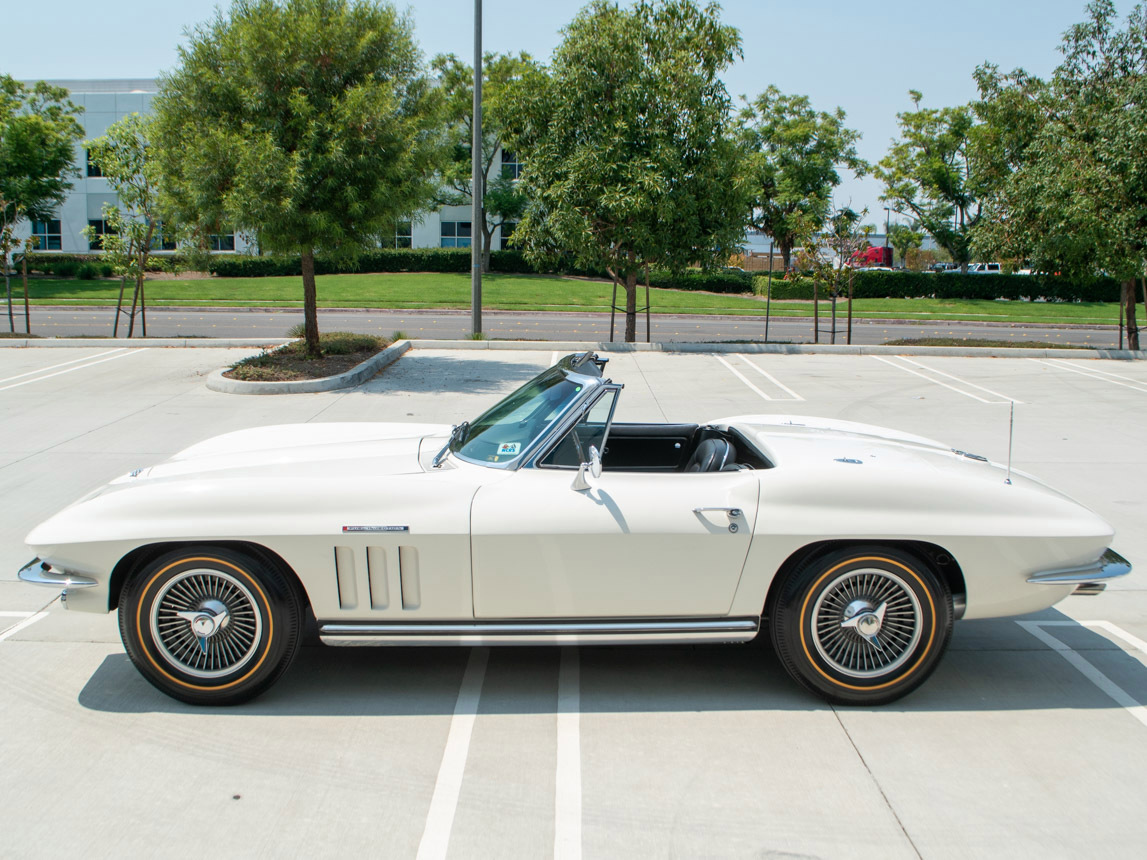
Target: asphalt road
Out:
[1030,740]
[448,325]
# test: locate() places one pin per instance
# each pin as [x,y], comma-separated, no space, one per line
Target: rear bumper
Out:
[1110,565]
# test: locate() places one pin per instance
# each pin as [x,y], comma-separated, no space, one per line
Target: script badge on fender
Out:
[376,528]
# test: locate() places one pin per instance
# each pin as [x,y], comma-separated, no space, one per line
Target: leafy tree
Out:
[38,131]
[1066,157]
[794,153]
[124,159]
[502,200]
[904,238]
[928,175]
[310,123]
[843,236]
[629,159]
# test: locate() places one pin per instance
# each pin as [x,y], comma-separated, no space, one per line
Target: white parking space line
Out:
[553,358]
[16,614]
[930,379]
[567,797]
[1113,690]
[742,377]
[1004,397]
[1101,375]
[27,622]
[72,369]
[444,802]
[1118,632]
[61,364]
[792,394]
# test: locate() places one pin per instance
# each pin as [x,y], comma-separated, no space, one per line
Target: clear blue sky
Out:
[862,57]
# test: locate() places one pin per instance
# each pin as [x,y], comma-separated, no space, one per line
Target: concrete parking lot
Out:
[1030,739]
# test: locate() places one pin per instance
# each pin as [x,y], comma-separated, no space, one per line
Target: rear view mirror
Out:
[593,467]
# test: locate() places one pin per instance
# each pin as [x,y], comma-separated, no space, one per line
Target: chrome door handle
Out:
[732,512]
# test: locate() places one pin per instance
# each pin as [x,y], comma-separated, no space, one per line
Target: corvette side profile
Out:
[544,521]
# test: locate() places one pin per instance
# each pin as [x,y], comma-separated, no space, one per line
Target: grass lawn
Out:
[533,293]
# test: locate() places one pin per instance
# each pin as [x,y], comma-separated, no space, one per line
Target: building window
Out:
[508,233]
[455,234]
[48,234]
[403,235]
[162,240]
[511,167]
[222,241]
[101,229]
[93,169]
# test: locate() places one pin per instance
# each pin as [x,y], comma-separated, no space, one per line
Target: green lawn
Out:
[533,293]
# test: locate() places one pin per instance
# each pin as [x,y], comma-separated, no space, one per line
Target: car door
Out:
[634,545]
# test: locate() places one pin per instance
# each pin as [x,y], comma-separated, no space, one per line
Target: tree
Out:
[124,159]
[794,154]
[844,238]
[1066,156]
[502,200]
[629,159]
[311,123]
[38,130]
[928,175]
[904,238]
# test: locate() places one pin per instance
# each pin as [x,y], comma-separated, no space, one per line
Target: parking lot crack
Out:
[876,782]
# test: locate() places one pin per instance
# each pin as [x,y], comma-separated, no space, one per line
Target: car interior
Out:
[658,448]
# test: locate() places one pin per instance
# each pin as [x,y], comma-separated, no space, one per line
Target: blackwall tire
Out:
[210,626]
[863,625]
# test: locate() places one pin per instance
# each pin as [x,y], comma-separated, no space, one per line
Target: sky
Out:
[861,57]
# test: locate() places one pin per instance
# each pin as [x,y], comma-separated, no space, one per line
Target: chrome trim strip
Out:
[1108,566]
[540,632]
[41,573]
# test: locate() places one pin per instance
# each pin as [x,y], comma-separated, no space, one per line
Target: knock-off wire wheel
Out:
[209,625]
[862,625]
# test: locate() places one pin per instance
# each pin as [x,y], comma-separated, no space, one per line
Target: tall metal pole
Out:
[768,292]
[477,216]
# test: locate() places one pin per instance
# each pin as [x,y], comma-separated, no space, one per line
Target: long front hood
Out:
[301,450]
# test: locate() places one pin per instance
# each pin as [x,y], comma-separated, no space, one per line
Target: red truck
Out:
[878,256]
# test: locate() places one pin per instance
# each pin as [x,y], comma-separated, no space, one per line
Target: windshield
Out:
[504,432]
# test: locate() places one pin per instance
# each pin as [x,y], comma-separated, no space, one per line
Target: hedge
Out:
[907,285]
[86,266]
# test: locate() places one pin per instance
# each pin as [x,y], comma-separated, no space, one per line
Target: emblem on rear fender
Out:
[376,528]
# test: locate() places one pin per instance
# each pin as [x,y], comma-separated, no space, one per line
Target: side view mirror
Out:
[581,484]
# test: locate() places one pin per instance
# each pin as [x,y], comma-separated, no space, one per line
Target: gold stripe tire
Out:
[249,649]
[862,625]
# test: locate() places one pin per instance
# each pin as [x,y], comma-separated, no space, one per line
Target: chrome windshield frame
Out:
[559,425]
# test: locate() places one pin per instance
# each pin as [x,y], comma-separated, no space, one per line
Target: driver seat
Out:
[712,455]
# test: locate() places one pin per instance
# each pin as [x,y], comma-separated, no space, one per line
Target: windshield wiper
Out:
[458,431]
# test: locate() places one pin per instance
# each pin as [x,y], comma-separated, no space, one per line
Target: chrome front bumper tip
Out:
[1108,566]
[39,572]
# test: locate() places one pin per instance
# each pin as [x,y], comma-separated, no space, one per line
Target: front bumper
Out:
[1108,566]
[39,572]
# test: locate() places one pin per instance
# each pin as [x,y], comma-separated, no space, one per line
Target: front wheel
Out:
[210,626]
[862,625]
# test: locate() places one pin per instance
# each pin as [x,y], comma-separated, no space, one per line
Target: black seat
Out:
[712,455]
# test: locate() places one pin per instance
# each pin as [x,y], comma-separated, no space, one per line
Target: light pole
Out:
[476,213]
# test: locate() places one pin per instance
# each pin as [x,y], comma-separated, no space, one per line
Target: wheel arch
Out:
[144,555]
[942,562]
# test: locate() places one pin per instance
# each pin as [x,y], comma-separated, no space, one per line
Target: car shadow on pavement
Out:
[994,665]
[433,374]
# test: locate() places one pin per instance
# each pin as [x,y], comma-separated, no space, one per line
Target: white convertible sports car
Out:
[543,521]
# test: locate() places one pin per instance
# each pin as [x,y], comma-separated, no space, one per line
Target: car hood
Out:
[334,450]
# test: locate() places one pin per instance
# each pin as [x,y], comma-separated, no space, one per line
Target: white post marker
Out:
[567,796]
[444,802]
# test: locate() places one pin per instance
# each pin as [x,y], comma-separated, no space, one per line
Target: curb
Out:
[144,343]
[355,376]
[783,349]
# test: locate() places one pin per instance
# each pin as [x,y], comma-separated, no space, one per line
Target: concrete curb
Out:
[144,343]
[782,349]
[355,376]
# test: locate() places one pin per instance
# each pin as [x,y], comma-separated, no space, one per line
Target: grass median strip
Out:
[526,293]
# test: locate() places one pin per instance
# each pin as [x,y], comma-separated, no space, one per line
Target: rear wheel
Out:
[210,626]
[862,625]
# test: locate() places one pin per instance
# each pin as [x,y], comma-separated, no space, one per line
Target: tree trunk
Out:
[786,255]
[815,313]
[310,306]
[1130,314]
[631,307]
[24,275]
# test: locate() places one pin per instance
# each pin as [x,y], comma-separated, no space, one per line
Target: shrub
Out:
[87,271]
[908,285]
[696,279]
